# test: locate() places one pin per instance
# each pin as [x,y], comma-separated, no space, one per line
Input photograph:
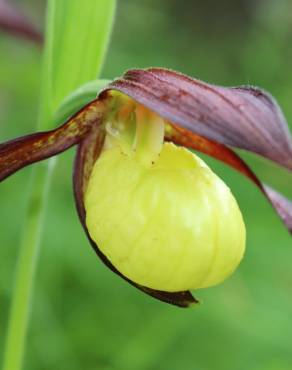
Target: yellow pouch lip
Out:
[193,168]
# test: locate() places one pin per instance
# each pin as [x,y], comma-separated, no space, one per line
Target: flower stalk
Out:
[26,268]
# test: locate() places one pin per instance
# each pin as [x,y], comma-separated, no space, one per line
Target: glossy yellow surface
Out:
[173,225]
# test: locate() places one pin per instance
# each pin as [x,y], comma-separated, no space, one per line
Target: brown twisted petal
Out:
[87,153]
[29,149]
[282,204]
[241,117]
[186,138]
[13,21]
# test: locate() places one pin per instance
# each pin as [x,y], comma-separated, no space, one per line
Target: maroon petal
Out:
[87,153]
[242,117]
[282,205]
[29,149]
[12,20]
[186,138]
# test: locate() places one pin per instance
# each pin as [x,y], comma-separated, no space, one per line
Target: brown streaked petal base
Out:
[186,138]
[243,117]
[87,153]
[29,149]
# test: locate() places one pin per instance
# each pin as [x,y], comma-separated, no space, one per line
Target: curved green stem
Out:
[20,305]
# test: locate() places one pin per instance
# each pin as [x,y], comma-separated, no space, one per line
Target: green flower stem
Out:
[20,306]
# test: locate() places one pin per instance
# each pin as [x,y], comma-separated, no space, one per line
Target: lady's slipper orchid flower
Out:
[153,211]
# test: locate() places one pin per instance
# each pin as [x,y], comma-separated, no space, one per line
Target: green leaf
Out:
[78,98]
[76,42]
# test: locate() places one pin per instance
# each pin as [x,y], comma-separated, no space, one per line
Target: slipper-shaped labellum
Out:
[154,212]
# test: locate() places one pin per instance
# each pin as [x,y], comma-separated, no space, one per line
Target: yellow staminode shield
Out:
[172,225]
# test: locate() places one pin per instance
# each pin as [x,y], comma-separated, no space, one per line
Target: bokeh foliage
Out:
[83,316]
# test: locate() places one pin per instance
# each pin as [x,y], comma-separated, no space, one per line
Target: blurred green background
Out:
[85,317]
